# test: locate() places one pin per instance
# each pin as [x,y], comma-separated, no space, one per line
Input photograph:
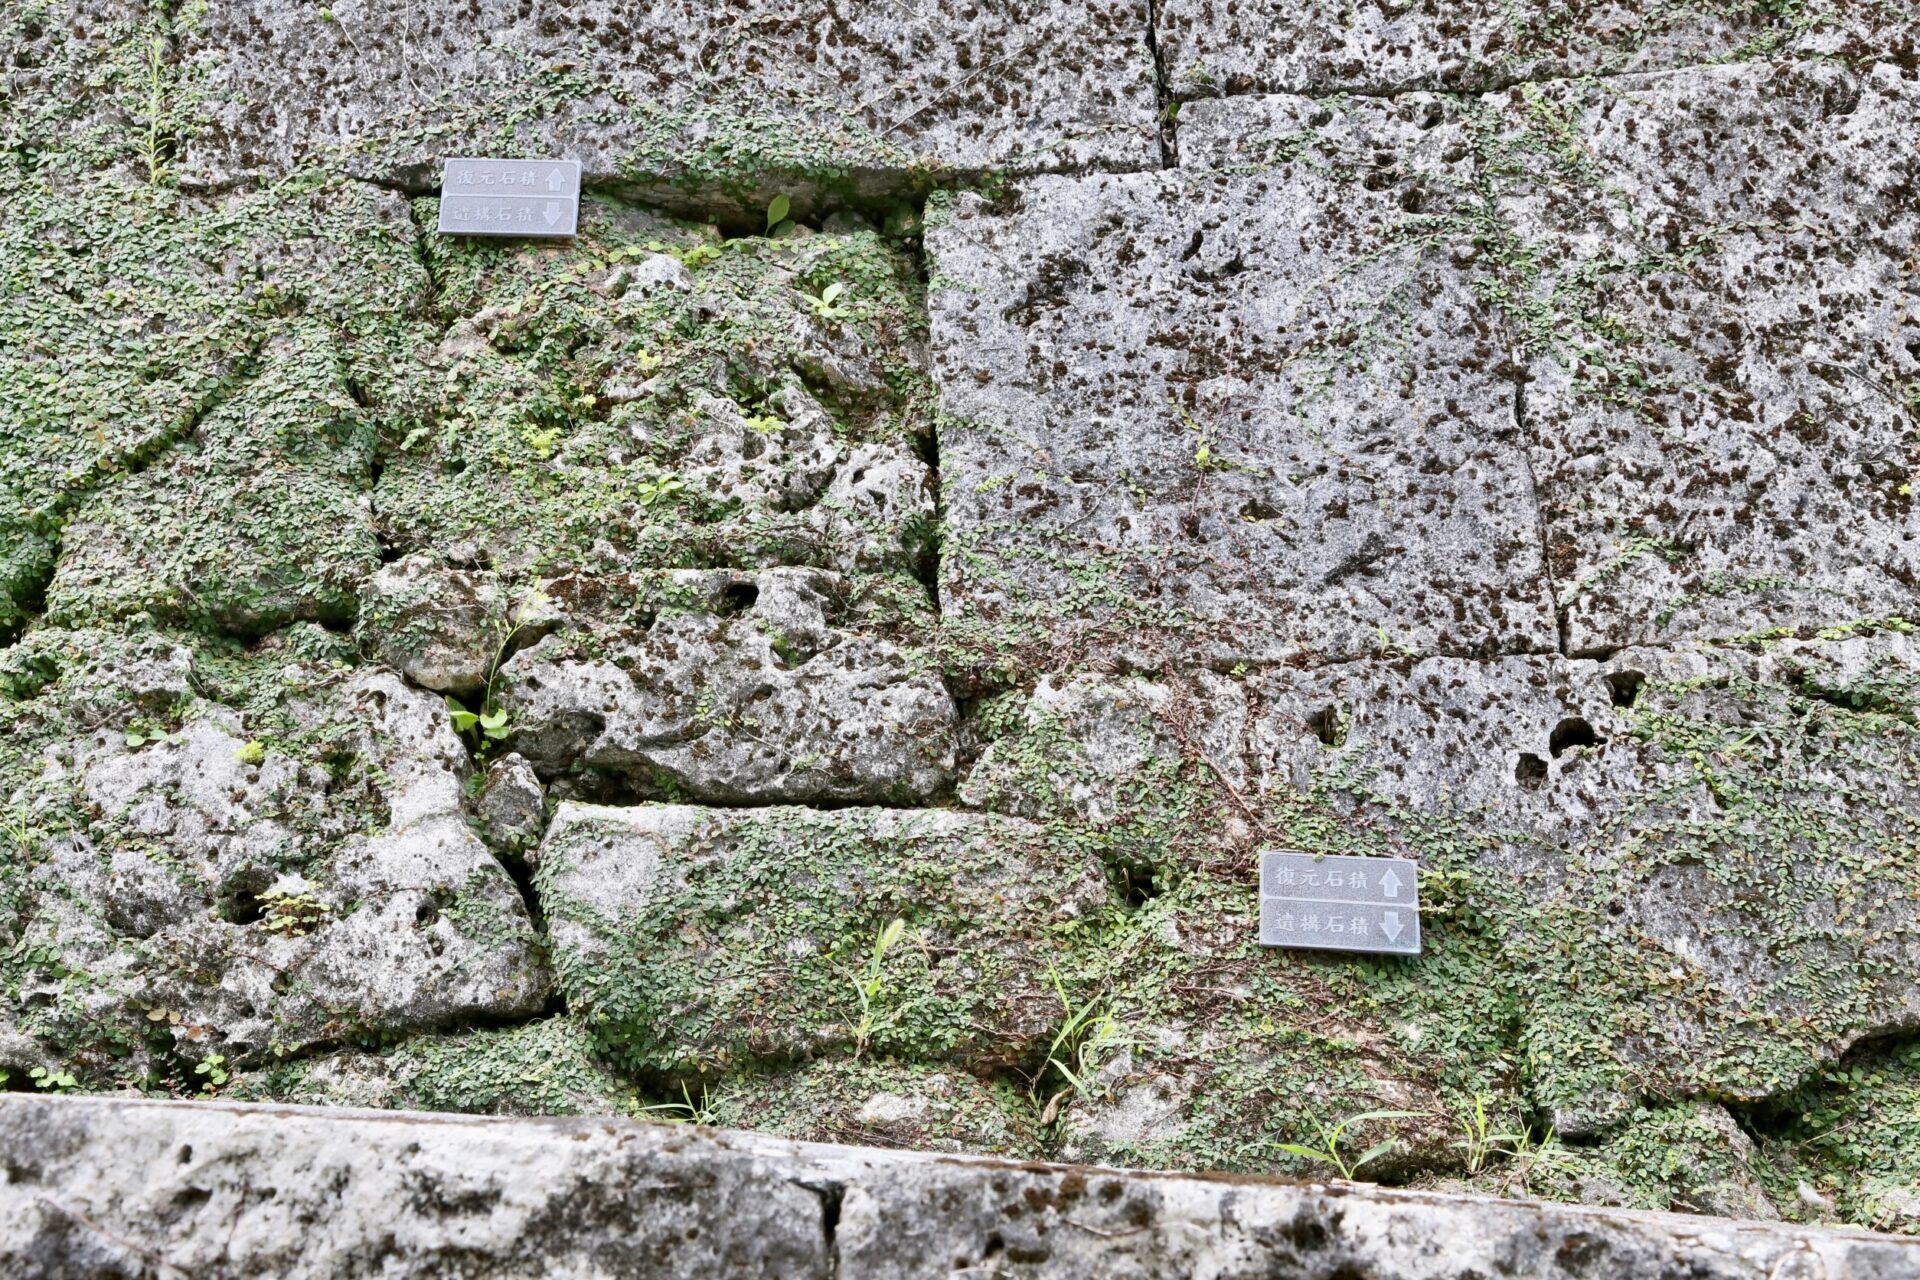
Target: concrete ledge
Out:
[110,1187]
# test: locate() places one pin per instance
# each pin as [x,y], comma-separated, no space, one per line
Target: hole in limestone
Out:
[737,597]
[1138,886]
[1531,772]
[1571,732]
[1329,724]
[1255,510]
[1624,687]
[238,901]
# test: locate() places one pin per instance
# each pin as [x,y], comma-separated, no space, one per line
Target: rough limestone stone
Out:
[98,1185]
[1095,747]
[544,1068]
[257,518]
[205,366]
[76,88]
[573,420]
[512,806]
[1212,47]
[1639,1166]
[1508,473]
[722,108]
[1677,872]
[188,889]
[442,628]
[728,688]
[1694,854]
[1719,280]
[882,1103]
[1229,417]
[1211,1052]
[695,938]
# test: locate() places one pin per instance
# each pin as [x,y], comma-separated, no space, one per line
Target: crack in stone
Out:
[832,1196]
[1466,93]
[1525,444]
[1166,118]
[49,521]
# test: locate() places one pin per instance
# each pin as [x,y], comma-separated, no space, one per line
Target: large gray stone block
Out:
[693,939]
[1389,46]
[1231,417]
[719,106]
[1713,268]
[140,1188]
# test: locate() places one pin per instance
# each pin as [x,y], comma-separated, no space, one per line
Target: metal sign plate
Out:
[509,197]
[1338,903]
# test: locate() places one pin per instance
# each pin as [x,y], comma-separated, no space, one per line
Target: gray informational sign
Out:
[509,197]
[1337,903]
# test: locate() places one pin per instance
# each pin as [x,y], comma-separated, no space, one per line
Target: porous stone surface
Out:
[1212,47]
[512,806]
[576,414]
[823,648]
[1721,266]
[1238,412]
[547,1067]
[441,627]
[728,688]
[255,855]
[721,107]
[140,1188]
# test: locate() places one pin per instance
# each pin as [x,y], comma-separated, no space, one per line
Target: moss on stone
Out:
[753,940]
[1849,1136]
[883,1103]
[566,408]
[543,1068]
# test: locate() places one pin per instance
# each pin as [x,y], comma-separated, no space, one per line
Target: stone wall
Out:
[820,651]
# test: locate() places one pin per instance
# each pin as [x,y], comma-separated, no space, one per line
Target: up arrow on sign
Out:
[555,182]
[1390,885]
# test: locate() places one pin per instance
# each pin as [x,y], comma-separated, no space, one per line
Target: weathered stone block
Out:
[543,1068]
[1099,749]
[882,1103]
[85,87]
[138,316]
[693,939]
[194,877]
[717,107]
[728,688]
[1227,417]
[441,627]
[96,1185]
[1713,267]
[258,517]
[580,415]
[1694,855]
[1382,47]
